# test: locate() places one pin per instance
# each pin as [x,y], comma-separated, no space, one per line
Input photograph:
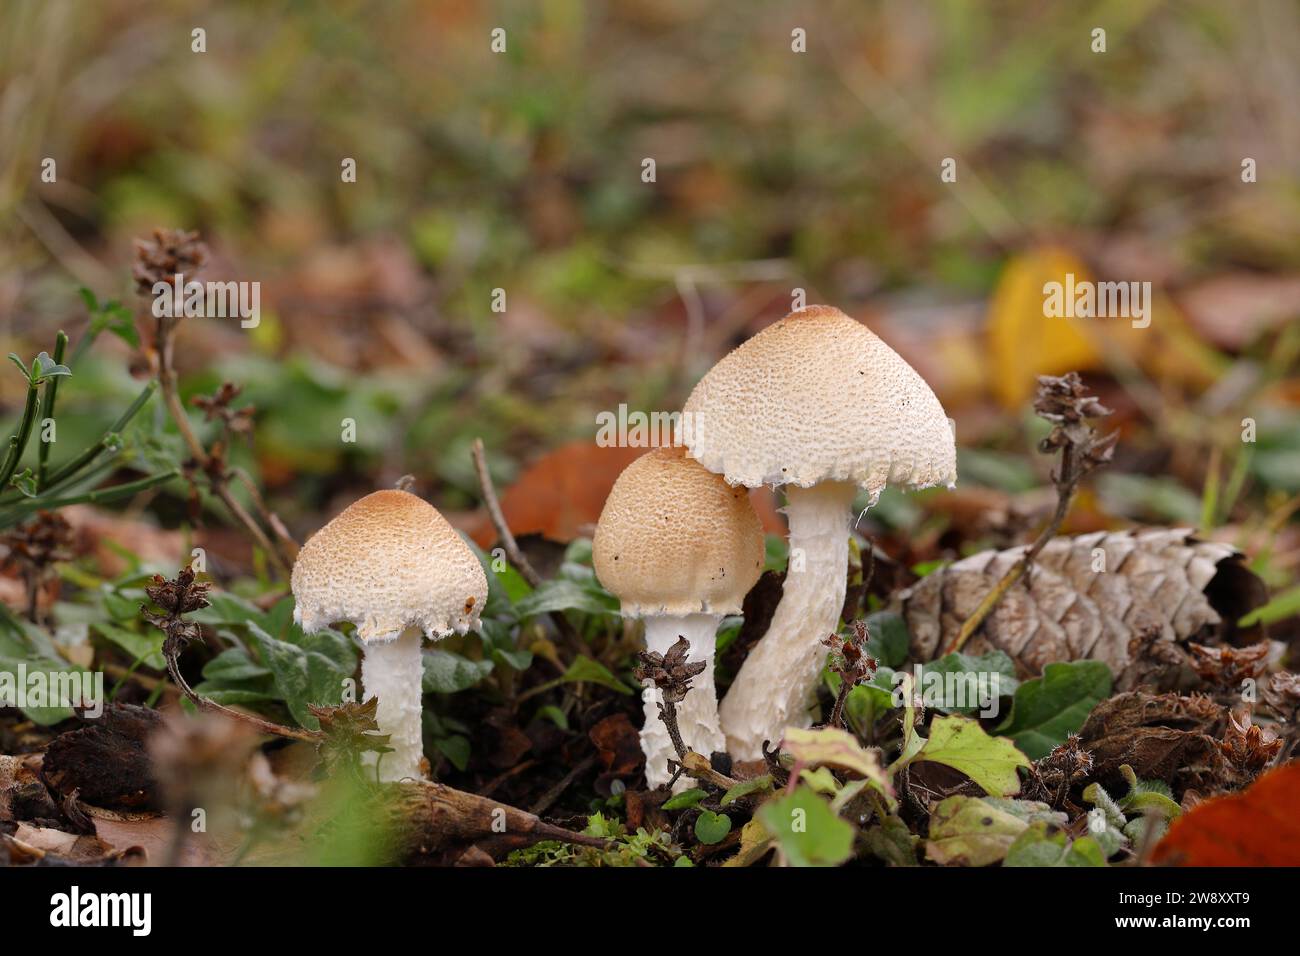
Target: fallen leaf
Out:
[1258,827]
[967,831]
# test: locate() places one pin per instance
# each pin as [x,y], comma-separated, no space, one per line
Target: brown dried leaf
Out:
[1156,579]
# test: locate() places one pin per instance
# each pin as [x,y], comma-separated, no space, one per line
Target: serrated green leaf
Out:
[962,744]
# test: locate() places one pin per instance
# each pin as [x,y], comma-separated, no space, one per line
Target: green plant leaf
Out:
[807,830]
[446,672]
[746,787]
[972,682]
[1042,845]
[1047,709]
[968,831]
[563,594]
[687,798]
[584,668]
[712,827]
[142,647]
[962,744]
[888,639]
[832,747]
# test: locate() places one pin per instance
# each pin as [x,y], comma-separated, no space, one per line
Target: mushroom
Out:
[820,406]
[680,548]
[392,565]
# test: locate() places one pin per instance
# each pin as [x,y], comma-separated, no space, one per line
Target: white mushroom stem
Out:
[697,714]
[777,681]
[393,671]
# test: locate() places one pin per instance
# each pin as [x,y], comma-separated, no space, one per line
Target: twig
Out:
[1064,402]
[499,520]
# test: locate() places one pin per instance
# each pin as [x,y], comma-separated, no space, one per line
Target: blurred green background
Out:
[775,170]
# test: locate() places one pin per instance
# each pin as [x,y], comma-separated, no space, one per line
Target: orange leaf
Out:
[560,495]
[1257,827]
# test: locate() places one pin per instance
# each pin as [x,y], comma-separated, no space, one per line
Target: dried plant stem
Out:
[171,652]
[499,519]
[216,473]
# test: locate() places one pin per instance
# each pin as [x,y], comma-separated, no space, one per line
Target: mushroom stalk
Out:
[697,714]
[777,681]
[393,671]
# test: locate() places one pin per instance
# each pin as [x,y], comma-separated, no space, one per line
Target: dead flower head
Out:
[171,252]
[1249,747]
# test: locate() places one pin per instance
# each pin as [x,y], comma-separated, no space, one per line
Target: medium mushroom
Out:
[680,548]
[818,405]
[392,566]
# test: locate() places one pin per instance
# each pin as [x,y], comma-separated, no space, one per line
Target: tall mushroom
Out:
[820,406]
[680,548]
[392,566]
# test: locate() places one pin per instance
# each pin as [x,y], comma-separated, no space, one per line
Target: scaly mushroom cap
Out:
[388,562]
[818,397]
[674,538]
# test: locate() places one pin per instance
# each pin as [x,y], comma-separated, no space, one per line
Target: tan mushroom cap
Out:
[388,562]
[818,397]
[674,538]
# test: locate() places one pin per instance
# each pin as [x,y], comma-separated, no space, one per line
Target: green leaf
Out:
[310,674]
[584,668]
[807,830]
[1042,845]
[889,640]
[892,842]
[1283,605]
[712,827]
[567,595]
[968,685]
[13,357]
[233,664]
[139,647]
[45,716]
[746,787]
[46,367]
[832,747]
[455,748]
[446,672]
[1047,709]
[962,744]
[687,798]
[968,831]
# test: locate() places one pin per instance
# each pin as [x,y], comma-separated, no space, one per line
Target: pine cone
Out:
[1155,580]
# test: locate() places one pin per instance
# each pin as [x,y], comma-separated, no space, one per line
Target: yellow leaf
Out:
[1026,343]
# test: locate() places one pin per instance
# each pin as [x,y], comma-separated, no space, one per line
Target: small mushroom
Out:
[680,548]
[392,566]
[820,406]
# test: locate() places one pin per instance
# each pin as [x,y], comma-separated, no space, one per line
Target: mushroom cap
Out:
[388,562]
[819,397]
[674,538]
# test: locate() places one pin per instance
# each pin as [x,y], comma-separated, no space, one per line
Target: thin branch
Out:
[499,520]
